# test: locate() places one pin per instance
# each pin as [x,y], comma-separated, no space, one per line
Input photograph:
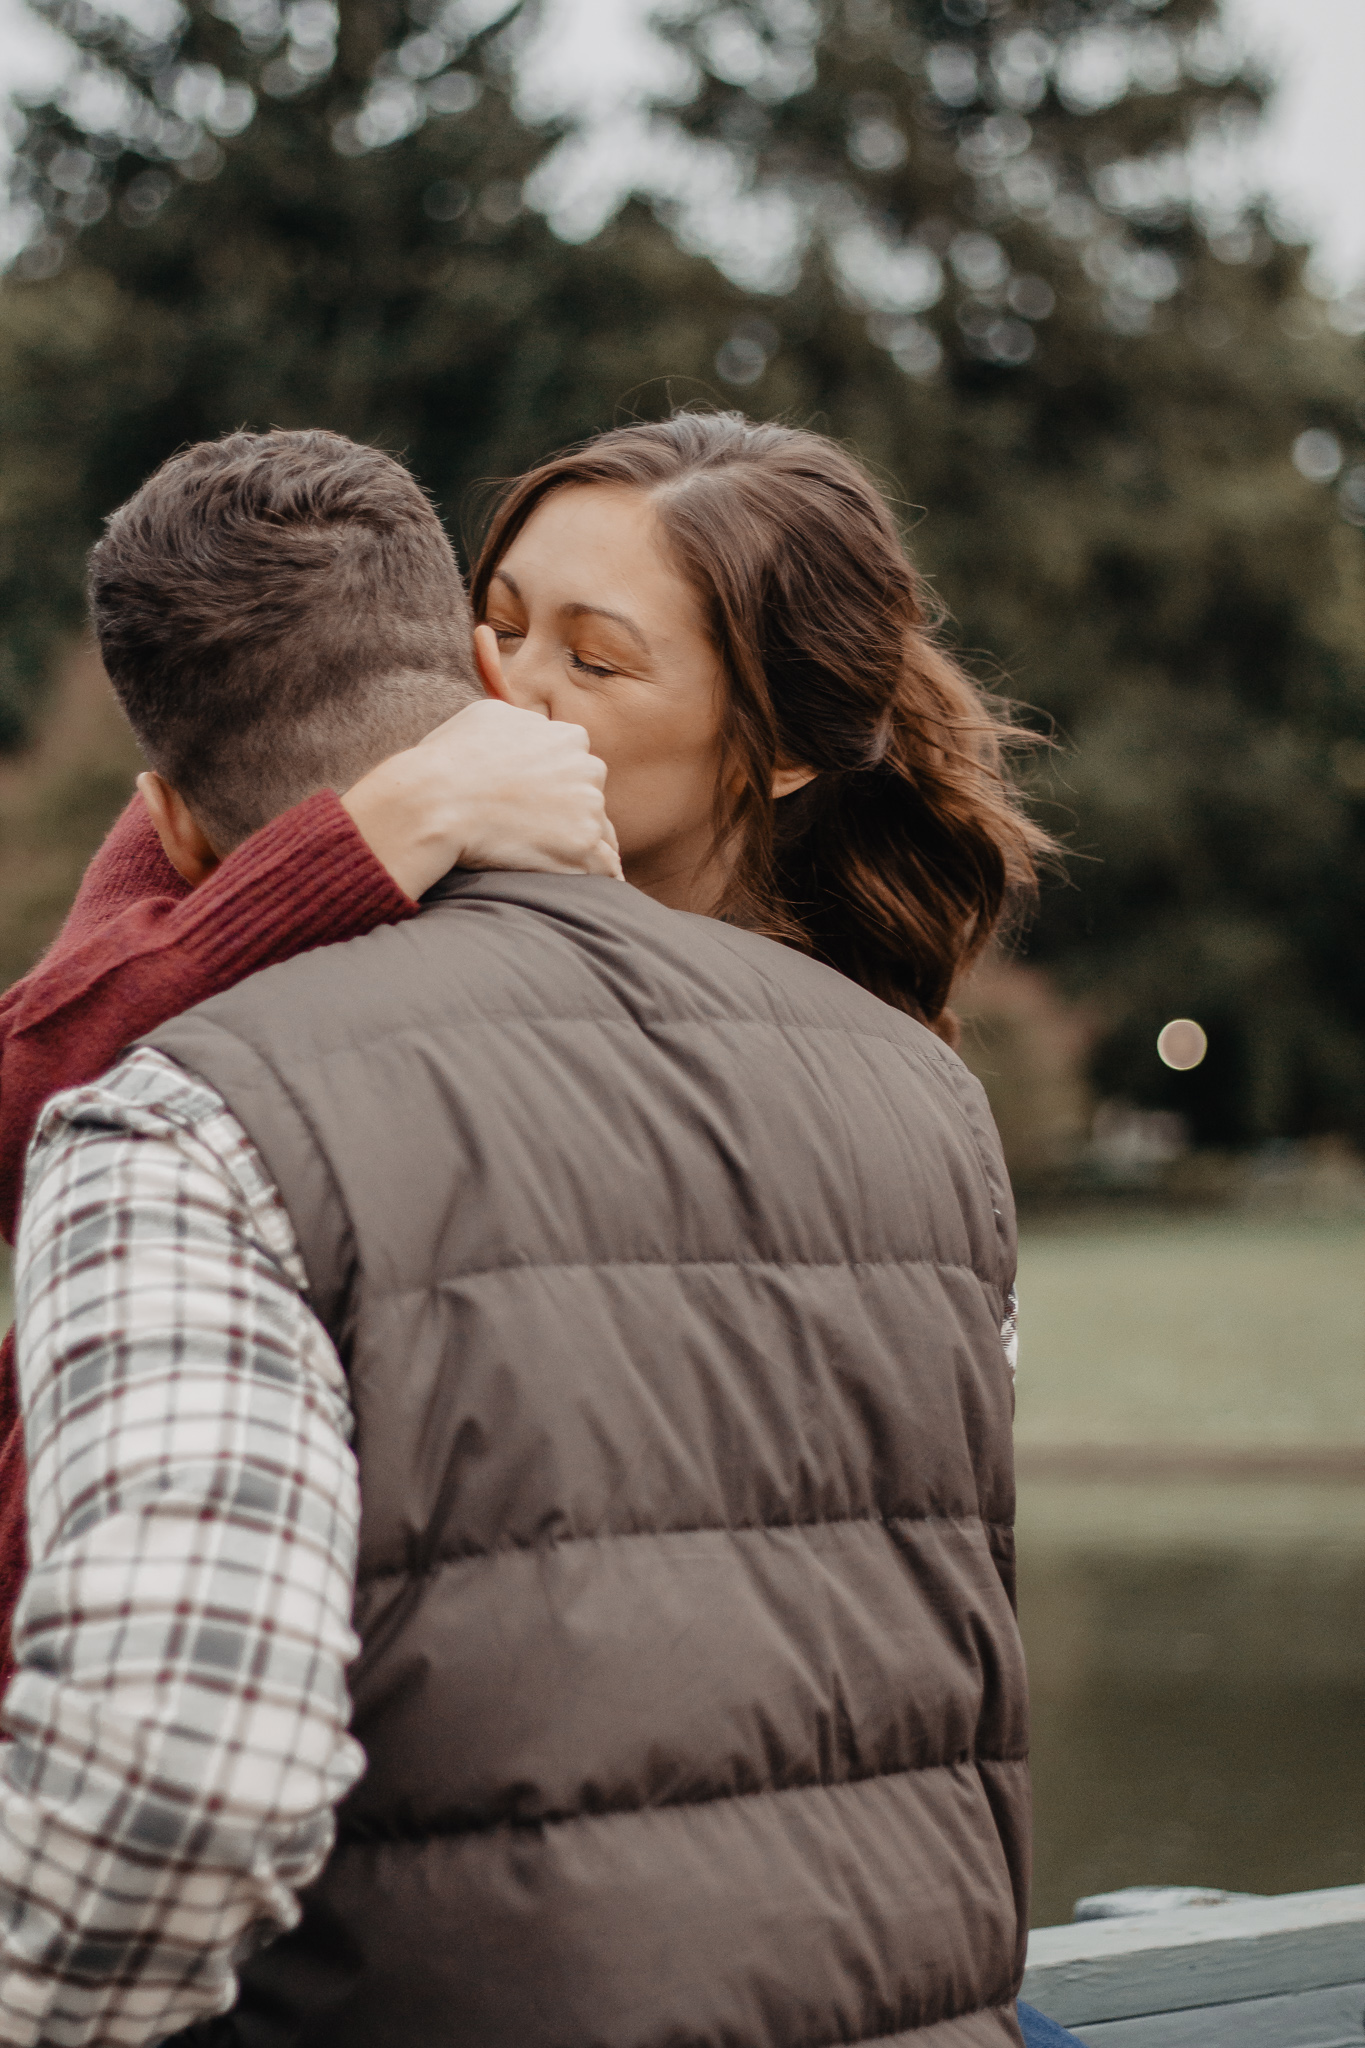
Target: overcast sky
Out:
[1312,154]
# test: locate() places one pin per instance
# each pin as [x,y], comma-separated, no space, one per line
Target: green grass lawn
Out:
[1195,1652]
[1208,1332]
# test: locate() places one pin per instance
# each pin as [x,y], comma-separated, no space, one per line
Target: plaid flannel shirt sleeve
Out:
[178,1719]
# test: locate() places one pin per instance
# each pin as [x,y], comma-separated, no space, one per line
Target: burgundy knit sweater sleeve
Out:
[137,948]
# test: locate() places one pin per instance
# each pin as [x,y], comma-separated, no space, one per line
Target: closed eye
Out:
[501,628]
[586,668]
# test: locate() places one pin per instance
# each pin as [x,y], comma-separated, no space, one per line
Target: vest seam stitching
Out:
[537,1265]
[513,1546]
[444,1018]
[416,1836]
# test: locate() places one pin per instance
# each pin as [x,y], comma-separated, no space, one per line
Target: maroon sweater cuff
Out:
[306,879]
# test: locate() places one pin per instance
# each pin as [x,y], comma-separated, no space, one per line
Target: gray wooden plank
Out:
[1198,1955]
[1331,2018]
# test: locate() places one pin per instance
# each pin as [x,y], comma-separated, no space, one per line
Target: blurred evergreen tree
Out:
[275,215]
[1000,251]
[1142,449]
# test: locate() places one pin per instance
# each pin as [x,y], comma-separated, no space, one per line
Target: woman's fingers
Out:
[604,858]
[532,791]
[494,787]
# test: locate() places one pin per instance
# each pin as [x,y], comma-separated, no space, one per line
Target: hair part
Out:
[277,612]
[911,846]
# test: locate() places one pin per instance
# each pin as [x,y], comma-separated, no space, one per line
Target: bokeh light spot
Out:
[1317,455]
[1182,1043]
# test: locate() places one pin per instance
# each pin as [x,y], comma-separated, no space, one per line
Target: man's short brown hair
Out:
[278,612]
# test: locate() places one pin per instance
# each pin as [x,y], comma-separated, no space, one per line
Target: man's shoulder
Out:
[493,946]
[619,930]
[144,1094]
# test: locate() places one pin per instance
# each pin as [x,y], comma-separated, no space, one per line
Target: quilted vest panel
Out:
[668,1270]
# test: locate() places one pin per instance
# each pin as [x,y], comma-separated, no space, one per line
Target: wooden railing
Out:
[1286,1971]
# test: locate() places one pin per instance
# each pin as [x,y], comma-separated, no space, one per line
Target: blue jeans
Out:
[1040,2032]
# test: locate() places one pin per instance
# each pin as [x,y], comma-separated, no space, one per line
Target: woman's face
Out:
[596,626]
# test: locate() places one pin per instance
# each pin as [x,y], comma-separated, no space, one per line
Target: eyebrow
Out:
[582,611]
[599,611]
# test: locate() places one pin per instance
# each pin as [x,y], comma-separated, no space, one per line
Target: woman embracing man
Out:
[516,1369]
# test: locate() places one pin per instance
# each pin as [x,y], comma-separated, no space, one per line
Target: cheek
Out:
[659,742]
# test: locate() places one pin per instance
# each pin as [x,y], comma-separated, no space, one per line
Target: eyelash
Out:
[586,668]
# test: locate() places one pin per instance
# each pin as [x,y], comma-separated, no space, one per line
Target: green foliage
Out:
[988,273]
[1113,511]
[404,296]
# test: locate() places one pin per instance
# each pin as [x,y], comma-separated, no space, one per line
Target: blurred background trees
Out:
[997,245]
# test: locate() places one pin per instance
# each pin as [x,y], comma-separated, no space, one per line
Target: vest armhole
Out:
[266,1108]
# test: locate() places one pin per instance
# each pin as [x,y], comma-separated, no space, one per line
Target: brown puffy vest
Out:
[668,1269]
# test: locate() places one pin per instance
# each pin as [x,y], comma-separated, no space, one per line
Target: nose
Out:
[529,675]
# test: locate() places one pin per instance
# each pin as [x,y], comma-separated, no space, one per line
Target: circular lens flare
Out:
[1182,1043]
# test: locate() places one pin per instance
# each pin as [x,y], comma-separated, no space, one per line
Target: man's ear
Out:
[786,781]
[182,840]
[489,659]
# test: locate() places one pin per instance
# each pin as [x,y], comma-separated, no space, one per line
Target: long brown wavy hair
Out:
[909,848]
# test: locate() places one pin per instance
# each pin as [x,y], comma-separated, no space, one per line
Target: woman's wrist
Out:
[414,824]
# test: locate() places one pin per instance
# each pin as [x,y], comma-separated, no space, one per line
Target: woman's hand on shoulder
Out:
[494,787]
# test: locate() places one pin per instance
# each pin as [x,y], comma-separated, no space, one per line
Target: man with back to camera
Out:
[689,1701]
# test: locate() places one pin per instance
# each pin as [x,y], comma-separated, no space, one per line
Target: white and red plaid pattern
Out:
[1009,1333]
[178,1720]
